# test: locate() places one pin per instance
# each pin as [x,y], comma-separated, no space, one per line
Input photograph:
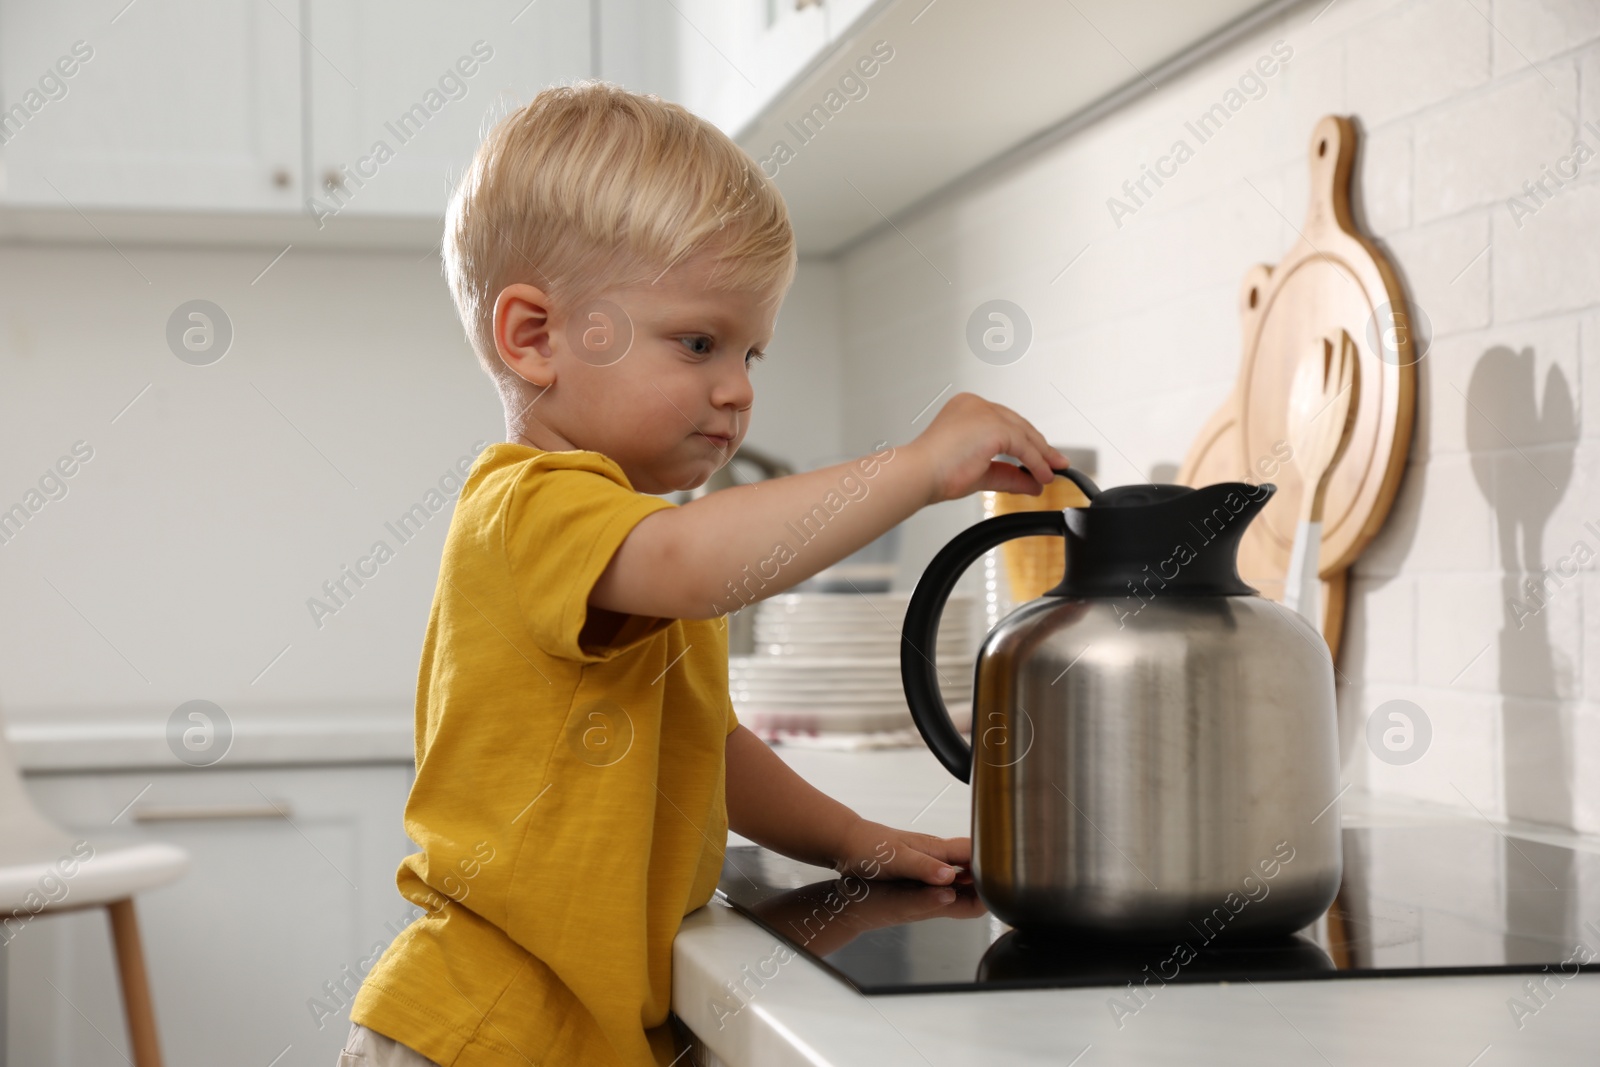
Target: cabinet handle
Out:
[215,811]
[281,178]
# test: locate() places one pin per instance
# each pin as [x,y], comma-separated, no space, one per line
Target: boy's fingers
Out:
[914,863]
[1047,457]
[1037,458]
[1030,446]
[935,860]
[1006,477]
[952,850]
[955,850]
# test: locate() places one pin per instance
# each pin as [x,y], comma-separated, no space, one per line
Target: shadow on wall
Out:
[1523,490]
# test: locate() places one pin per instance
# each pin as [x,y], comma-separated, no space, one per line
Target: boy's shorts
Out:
[368,1048]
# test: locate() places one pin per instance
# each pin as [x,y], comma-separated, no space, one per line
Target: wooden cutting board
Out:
[1334,278]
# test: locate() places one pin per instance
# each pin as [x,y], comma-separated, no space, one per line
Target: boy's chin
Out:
[696,480]
[685,475]
[683,480]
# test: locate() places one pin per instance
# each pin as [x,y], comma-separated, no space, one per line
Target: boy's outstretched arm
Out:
[716,554]
[773,806]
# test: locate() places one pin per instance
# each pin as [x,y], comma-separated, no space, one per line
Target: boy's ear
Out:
[522,333]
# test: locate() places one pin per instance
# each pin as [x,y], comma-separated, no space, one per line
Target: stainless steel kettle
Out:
[1155,751]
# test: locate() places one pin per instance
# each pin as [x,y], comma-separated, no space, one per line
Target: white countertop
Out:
[805,1015]
[68,741]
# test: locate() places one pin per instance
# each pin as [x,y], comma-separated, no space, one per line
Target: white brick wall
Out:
[1552,262]
[1531,33]
[1446,271]
[1460,104]
[1481,147]
[1404,59]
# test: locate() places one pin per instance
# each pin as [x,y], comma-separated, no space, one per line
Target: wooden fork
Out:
[1322,413]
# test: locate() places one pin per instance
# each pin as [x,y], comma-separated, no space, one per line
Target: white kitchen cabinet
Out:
[735,58]
[402,92]
[787,36]
[273,907]
[289,110]
[189,104]
[958,87]
[725,60]
[782,39]
[320,107]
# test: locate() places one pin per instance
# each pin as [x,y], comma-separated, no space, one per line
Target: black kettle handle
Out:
[918,637]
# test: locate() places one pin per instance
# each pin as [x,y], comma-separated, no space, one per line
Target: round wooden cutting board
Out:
[1333,279]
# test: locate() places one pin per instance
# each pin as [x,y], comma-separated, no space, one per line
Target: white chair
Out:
[31,850]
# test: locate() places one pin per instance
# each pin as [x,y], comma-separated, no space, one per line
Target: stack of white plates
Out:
[831,662]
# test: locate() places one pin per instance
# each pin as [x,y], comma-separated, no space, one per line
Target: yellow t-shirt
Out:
[569,799]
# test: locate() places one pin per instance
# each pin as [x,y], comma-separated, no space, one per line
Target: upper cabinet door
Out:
[738,55]
[402,91]
[180,104]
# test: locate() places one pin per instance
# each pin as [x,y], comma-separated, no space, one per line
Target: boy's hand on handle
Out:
[960,444]
[874,850]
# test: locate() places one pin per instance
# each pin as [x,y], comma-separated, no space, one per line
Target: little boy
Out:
[618,264]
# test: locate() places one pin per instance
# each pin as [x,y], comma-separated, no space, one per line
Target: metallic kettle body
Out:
[1154,746]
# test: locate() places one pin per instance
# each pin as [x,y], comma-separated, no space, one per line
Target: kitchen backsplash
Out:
[1478,174]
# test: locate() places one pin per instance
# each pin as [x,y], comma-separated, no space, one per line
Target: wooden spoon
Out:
[1322,412]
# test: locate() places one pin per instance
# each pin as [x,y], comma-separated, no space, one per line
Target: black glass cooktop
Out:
[1414,901]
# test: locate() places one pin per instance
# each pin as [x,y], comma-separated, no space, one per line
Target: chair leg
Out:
[136,1001]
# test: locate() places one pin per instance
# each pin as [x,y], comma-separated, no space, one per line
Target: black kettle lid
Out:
[1144,540]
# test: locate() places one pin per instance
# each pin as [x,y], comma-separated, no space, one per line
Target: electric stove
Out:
[1414,901]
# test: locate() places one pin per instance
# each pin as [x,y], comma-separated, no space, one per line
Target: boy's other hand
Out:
[874,850]
[960,444]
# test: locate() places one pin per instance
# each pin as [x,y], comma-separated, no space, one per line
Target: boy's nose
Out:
[733,390]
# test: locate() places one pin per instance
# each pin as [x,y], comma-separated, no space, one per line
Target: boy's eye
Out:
[752,355]
[695,344]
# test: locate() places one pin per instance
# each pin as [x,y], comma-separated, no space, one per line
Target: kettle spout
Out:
[1228,506]
[1215,520]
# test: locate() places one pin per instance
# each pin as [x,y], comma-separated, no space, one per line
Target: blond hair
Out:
[591,187]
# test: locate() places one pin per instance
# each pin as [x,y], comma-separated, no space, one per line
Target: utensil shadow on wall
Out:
[1524,482]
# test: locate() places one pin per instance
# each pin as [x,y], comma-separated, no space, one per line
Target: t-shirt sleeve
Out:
[733,719]
[564,519]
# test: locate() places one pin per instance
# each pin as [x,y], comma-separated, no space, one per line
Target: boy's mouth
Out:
[717,439]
